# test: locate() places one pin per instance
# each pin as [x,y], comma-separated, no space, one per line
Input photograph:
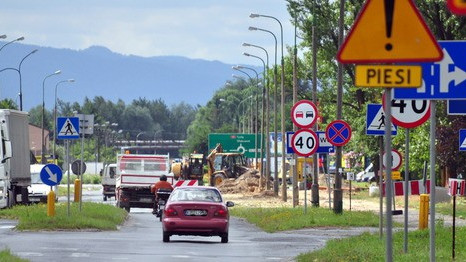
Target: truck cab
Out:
[108,181]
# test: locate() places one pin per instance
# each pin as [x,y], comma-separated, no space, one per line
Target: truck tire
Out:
[218,179]
[105,198]
[24,196]
[128,209]
[11,197]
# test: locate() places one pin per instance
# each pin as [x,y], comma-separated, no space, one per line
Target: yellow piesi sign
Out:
[388,31]
[388,76]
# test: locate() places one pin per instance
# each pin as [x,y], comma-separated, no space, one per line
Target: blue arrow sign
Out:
[68,127]
[324,146]
[441,80]
[462,140]
[51,174]
[375,121]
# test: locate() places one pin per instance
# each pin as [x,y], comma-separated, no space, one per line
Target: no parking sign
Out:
[338,133]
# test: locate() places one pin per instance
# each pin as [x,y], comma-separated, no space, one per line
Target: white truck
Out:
[15,176]
[135,174]
[108,181]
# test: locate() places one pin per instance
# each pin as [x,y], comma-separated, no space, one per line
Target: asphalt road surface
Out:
[140,239]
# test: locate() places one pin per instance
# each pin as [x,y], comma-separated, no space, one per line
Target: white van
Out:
[38,191]
[108,181]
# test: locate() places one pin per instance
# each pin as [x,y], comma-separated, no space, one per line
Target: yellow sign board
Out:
[387,33]
[388,76]
[396,175]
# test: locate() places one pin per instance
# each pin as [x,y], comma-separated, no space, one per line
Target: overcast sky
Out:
[206,29]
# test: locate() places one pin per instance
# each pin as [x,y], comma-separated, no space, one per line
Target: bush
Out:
[87,179]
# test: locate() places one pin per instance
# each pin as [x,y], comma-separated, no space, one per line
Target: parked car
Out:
[368,175]
[196,210]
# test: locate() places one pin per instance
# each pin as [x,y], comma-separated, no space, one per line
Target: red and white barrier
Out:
[186,183]
[416,187]
[456,187]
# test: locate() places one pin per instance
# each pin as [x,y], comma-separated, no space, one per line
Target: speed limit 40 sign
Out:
[305,142]
[409,113]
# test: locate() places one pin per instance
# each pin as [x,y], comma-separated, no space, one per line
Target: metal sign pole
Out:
[388,177]
[81,171]
[68,170]
[405,246]
[432,180]
[453,228]
[380,186]
[305,185]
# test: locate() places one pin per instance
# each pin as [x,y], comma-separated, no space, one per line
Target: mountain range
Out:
[100,72]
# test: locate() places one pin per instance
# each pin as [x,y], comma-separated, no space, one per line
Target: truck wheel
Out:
[11,197]
[105,198]
[218,179]
[127,209]
[24,196]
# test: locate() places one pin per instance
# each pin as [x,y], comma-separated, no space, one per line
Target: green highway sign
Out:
[236,143]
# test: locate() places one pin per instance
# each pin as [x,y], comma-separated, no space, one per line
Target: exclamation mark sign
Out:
[389,6]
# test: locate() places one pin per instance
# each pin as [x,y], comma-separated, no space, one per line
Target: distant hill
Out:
[100,72]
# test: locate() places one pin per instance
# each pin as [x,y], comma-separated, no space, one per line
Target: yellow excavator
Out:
[222,165]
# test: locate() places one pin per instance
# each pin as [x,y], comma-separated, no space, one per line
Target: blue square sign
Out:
[68,128]
[462,140]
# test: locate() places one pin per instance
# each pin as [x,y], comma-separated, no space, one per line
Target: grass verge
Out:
[369,247]
[279,219]
[6,256]
[92,216]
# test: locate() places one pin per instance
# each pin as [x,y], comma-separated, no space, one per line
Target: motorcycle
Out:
[163,195]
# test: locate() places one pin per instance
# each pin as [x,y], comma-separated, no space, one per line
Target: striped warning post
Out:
[456,187]
[416,187]
[186,183]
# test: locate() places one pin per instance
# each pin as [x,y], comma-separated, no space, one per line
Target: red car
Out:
[196,210]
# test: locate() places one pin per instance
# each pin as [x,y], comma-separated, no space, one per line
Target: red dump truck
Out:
[135,174]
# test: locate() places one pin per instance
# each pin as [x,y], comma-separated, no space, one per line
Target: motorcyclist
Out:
[162,184]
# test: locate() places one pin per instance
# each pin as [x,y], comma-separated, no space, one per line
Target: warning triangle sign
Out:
[378,122]
[68,129]
[387,31]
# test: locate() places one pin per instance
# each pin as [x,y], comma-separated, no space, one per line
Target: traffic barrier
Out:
[186,183]
[456,187]
[77,190]
[416,187]
[51,204]
[423,211]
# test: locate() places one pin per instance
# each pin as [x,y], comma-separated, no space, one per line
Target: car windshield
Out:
[196,194]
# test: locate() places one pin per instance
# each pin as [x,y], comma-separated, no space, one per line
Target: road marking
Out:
[29,254]
[80,255]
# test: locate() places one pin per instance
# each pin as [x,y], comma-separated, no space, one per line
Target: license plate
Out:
[146,200]
[195,212]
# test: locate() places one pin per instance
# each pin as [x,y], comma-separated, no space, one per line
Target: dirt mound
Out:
[247,183]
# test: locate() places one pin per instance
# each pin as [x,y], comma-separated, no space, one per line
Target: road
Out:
[140,239]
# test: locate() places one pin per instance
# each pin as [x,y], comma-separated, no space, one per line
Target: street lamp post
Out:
[55,116]
[20,94]
[20,80]
[282,105]
[257,108]
[275,146]
[16,40]
[43,112]
[238,68]
[265,115]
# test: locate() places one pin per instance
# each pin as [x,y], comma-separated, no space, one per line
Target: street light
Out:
[20,94]
[43,113]
[55,115]
[275,181]
[20,81]
[282,104]
[238,111]
[2,36]
[17,39]
[265,113]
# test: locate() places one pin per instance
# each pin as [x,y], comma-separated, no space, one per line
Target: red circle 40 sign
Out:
[305,142]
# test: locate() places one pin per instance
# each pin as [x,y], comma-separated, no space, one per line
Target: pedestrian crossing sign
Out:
[68,128]
[462,139]
[375,121]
